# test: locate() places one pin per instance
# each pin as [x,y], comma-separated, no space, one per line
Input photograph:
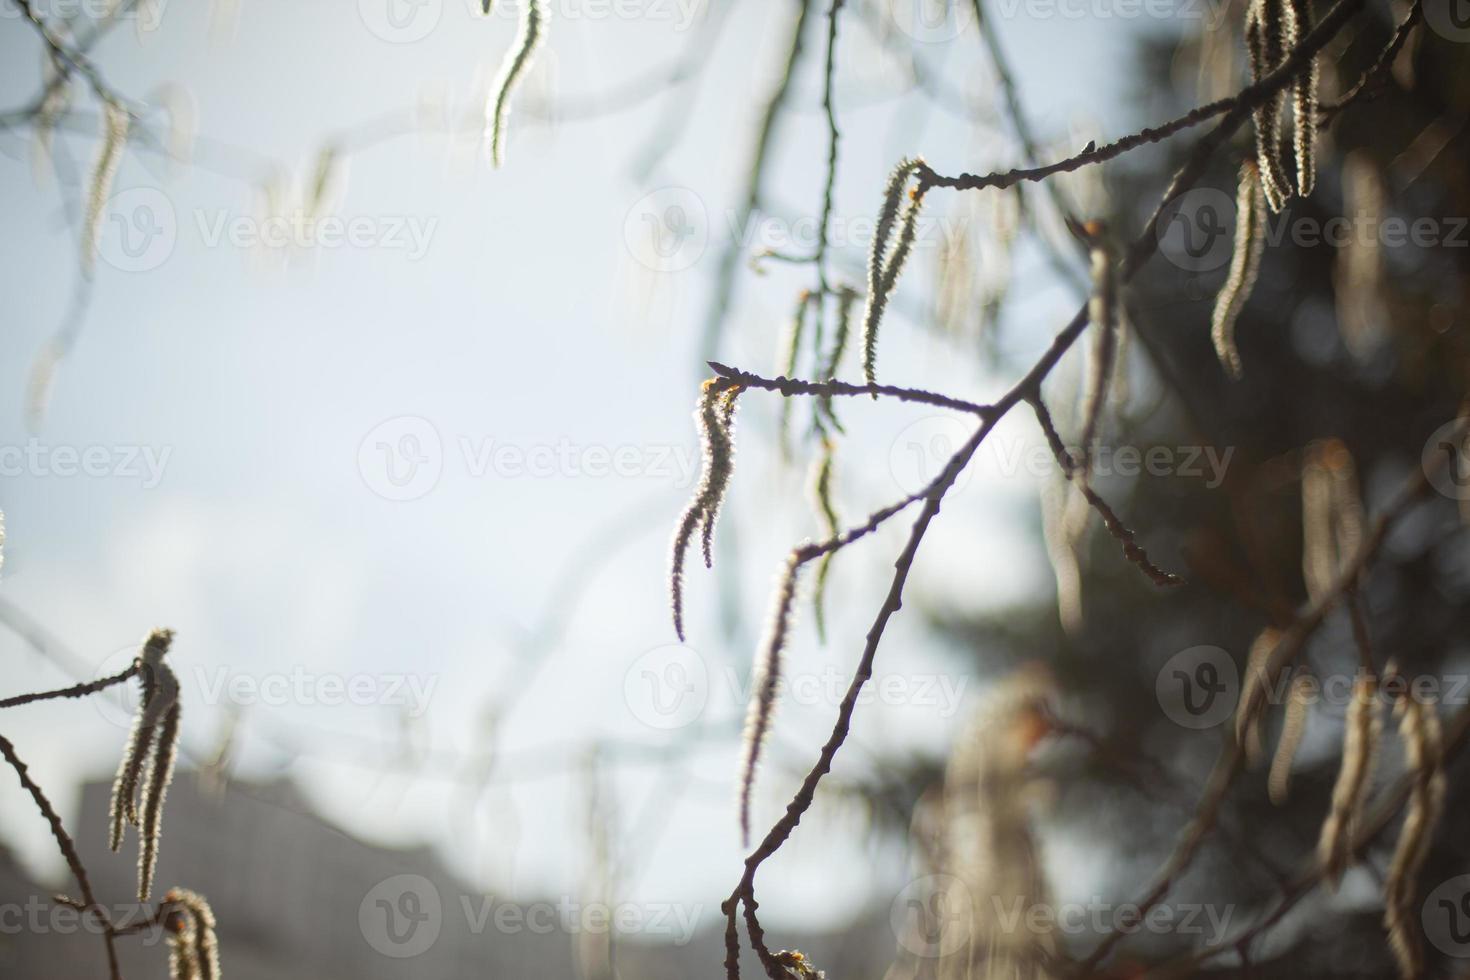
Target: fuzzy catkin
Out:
[1254,686]
[532,34]
[1102,310]
[884,263]
[790,354]
[1264,30]
[1419,729]
[155,790]
[1245,264]
[53,105]
[827,511]
[159,687]
[765,683]
[1361,734]
[1298,23]
[846,300]
[114,139]
[1293,725]
[194,943]
[715,418]
[722,455]
[1332,515]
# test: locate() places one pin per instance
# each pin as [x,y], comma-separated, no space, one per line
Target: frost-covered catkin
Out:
[1264,35]
[1362,732]
[715,417]
[1298,22]
[1293,725]
[765,684]
[114,139]
[884,263]
[532,33]
[1419,730]
[1245,264]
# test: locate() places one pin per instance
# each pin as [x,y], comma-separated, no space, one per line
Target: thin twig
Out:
[68,849]
[75,691]
[827,389]
[1368,83]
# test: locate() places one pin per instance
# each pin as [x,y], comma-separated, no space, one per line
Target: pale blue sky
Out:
[526,322]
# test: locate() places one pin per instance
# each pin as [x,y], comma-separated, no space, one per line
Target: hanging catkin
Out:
[1245,263]
[1362,732]
[517,61]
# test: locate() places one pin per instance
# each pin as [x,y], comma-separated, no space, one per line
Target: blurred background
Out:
[396,442]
